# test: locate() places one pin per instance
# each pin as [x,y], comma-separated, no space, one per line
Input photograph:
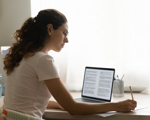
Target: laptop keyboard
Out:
[88,100]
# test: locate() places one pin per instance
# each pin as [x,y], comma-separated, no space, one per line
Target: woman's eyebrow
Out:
[66,30]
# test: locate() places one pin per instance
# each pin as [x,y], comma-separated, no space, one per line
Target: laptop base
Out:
[88,100]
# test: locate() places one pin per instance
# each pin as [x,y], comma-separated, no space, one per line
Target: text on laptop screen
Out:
[98,83]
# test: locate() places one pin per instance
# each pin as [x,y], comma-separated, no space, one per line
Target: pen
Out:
[122,77]
[118,77]
[131,92]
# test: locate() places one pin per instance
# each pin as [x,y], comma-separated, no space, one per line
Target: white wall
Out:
[12,14]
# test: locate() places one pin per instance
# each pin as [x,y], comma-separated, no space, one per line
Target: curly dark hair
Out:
[31,37]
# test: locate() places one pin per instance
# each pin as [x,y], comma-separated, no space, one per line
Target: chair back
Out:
[13,115]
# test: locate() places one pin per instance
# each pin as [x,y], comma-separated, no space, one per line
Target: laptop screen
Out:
[98,83]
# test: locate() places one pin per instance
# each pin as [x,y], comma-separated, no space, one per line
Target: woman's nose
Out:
[66,40]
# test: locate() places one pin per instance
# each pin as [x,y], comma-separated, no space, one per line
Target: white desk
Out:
[143,114]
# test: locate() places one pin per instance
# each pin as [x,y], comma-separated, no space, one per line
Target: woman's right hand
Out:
[126,106]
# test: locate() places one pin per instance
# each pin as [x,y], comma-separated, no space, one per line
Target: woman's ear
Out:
[49,29]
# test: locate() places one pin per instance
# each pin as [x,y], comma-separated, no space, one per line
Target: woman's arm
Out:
[64,98]
[54,104]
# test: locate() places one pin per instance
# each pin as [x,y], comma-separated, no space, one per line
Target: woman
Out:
[32,75]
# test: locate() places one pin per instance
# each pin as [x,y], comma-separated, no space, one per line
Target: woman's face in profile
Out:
[58,37]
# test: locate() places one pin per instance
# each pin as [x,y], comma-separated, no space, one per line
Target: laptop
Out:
[97,85]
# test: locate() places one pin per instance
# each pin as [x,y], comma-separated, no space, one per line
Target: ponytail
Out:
[16,52]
